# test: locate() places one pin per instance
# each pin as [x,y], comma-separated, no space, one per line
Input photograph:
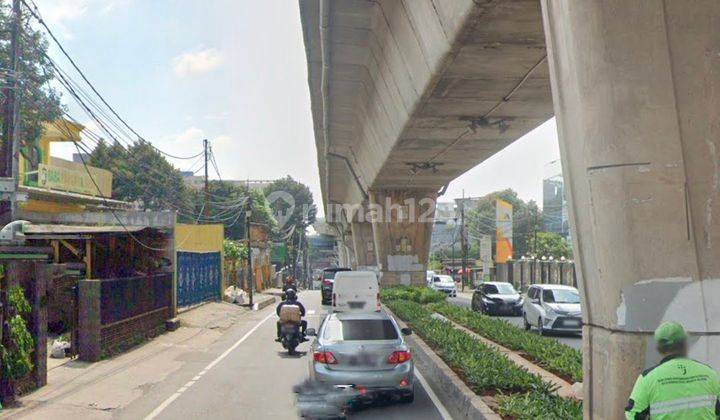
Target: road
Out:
[569,340]
[252,377]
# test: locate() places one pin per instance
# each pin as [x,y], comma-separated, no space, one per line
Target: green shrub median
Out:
[486,371]
[557,358]
[415,294]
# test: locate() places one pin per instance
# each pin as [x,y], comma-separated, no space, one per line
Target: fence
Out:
[115,314]
[523,273]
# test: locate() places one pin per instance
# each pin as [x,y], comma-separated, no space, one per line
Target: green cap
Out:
[669,333]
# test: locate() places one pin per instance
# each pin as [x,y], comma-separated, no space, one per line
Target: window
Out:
[490,289]
[499,289]
[360,330]
[532,293]
[548,296]
[564,296]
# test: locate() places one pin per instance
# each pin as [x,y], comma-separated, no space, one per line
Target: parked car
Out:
[356,291]
[552,307]
[327,278]
[495,298]
[429,274]
[366,351]
[444,283]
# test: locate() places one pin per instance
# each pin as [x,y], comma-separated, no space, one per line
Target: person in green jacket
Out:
[677,387]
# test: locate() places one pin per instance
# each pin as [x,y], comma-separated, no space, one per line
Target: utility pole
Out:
[8,160]
[535,233]
[463,245]
[251,277]
[206,207]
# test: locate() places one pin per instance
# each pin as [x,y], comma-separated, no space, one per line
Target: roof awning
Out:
[35,230]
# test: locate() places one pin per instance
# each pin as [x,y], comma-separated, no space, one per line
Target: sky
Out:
[180,71]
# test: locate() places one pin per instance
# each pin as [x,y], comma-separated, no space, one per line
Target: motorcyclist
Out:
[291,299]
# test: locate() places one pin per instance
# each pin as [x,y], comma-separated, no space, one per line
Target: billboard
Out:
[503,231]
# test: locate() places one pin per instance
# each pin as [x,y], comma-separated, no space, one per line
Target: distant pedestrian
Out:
[677,387]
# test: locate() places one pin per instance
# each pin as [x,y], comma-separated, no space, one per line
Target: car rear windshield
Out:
[360,330]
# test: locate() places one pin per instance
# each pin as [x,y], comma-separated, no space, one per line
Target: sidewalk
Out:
[78,389]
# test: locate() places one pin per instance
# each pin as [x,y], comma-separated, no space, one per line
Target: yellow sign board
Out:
[72,177]
[503,231]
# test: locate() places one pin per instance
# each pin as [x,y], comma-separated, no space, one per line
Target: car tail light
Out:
[377,308]
[404,382]
[399,357]
[334,299]
[325,357]
[326,282]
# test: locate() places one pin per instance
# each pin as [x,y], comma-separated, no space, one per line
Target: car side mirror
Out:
[406,331]
[311,332]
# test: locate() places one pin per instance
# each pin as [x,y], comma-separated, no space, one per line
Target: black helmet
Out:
[290,294]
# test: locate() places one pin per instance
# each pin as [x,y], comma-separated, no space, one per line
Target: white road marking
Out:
[433,397]
[160,408]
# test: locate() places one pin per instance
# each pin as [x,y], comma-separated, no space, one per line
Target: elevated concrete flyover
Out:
[409,94]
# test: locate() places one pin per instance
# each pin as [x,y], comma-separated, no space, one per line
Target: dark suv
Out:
[327,279]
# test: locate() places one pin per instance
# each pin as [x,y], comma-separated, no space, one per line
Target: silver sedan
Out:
[365,351]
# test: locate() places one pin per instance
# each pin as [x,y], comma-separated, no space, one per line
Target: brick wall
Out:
[120,336]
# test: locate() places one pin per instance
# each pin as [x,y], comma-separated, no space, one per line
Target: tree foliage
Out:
[142,175]
[550,245]
[38,101]
[292,203]
[527,219]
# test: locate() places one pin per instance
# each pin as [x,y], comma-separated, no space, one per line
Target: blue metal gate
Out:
[198,277]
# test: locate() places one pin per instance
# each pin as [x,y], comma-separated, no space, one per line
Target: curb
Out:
[264,303]
[458,398]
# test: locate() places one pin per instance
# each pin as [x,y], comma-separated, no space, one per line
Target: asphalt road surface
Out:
[574,341]
[253,377]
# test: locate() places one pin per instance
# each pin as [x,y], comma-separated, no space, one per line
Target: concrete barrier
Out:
[460,401]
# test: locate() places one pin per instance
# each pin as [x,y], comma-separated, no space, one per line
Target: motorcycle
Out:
[290,337]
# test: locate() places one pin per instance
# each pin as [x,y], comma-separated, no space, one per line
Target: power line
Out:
[36,14]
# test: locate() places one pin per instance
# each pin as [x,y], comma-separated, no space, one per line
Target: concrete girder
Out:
[636,90]
[396,83]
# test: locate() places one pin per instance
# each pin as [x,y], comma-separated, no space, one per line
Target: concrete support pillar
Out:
[364,246]
[636,90]
[402,225]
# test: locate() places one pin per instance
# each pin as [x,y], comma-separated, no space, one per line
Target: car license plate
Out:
[356,305]
[572,323]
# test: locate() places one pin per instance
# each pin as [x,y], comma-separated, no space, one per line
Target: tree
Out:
[293,206]
[527,219]
[551,245]
[38,101]
[142,175]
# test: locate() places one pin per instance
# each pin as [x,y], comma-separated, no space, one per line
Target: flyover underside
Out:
[411,94]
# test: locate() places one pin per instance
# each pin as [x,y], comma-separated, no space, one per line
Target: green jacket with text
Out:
[677,388]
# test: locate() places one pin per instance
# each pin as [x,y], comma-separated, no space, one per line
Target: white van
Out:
[356,291]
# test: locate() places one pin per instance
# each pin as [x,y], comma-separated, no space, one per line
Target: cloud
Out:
[189,135]
[60,13]
[199,62]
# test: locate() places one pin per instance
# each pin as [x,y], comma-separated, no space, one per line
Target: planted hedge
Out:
[486,371]
[415,294]
[546,352]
